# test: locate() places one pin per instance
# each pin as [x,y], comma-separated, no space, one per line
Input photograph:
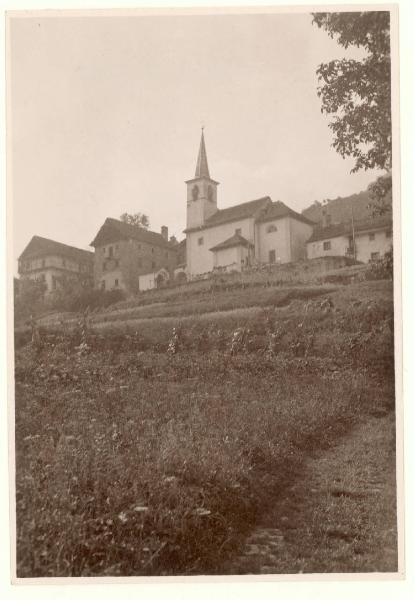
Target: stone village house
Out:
[364,240]
[132,258]
[53,262]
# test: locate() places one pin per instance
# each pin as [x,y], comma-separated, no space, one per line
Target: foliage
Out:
[380,195]
[76,296]
[137,219]
[358,92]
[382,268]
[28,297]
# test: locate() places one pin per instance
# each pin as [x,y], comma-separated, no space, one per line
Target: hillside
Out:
[141,450]
[340,208]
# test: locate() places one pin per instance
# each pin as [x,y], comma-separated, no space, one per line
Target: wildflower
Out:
[202,512]
[174,342]
[141,508]
[122,517]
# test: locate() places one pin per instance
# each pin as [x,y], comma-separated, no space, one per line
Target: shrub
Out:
[382,268]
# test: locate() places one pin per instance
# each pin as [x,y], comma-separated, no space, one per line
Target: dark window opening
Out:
[327,245]
[272,256]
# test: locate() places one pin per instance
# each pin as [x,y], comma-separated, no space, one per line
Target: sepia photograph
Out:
[204,244]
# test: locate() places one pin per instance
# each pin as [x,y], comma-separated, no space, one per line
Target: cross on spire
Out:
[202,164]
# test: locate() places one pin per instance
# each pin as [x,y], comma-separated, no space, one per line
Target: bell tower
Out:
[201,191]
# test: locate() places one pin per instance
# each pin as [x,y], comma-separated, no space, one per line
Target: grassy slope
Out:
[339,515]
[145,463]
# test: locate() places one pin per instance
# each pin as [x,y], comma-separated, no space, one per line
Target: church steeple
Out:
[202,164]
[201,191]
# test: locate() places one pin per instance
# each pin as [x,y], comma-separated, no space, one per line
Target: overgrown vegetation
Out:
[153,452]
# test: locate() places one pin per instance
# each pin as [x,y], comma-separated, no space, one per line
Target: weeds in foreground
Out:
[136,461]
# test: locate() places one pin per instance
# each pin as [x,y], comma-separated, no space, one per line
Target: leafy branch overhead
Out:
[357,93]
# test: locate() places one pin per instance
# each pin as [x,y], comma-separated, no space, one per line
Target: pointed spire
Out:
[202,164]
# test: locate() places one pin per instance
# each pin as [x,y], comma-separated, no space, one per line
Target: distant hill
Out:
[340,208]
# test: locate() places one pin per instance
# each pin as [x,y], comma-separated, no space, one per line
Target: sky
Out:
[106,115]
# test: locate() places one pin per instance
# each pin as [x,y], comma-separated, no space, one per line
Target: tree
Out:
[380,195]
[138,219]
[29,297]
[358,92]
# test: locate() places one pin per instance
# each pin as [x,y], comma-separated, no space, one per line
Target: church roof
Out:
[202,164]
[234,240]
[40,246]
[234,213]
[345,229]
[278,210]
[113,230]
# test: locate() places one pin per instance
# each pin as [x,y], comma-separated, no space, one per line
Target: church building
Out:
[257,232]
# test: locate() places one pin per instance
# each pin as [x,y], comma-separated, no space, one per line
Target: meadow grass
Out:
[133,461]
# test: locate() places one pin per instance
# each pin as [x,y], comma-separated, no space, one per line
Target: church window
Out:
[210,193]
[111,251]
[103,285]
[116,282]
[238,231]
[271,228]
[200,241]
[272,256]
[327,245]
[195,191]
[153,264]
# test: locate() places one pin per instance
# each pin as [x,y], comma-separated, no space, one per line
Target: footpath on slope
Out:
[338,517]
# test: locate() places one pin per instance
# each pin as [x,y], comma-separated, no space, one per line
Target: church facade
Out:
[252,233]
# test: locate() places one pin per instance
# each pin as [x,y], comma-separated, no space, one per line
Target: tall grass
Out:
[132,461]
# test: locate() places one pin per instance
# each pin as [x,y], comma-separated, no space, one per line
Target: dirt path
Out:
[339,517]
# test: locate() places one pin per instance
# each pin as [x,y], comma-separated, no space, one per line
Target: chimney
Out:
[164,232]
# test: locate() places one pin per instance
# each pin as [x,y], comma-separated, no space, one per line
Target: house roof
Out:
[113,230]
[234,240]
[279,210]
[345,229]
[40,246]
